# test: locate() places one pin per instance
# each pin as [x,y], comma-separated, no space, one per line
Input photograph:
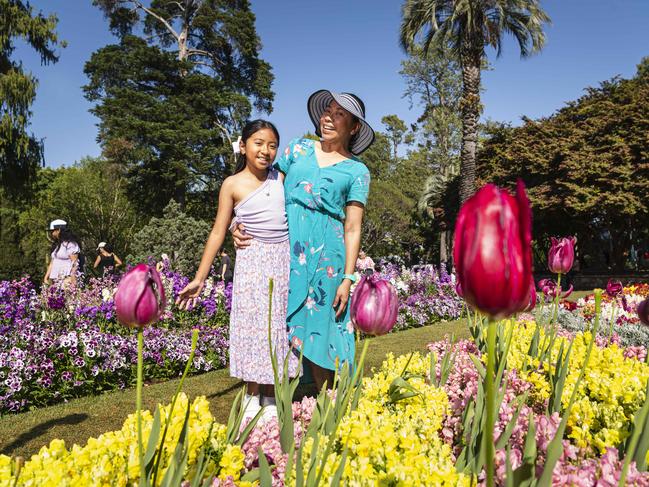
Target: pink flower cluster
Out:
[573,468]
[267,436]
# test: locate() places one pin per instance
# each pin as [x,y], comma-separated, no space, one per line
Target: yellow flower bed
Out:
[612,390]
[394,444]
[112,458]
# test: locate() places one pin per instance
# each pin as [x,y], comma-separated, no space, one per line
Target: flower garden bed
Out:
[422,436]
[58,345]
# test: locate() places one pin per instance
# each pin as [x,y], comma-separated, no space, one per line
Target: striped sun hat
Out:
[321,99]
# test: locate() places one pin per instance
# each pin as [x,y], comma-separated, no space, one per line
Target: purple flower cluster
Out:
[67,343]
[427,295]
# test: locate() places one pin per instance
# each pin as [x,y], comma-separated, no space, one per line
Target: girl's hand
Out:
[241,239]
[189,294]
[342,296]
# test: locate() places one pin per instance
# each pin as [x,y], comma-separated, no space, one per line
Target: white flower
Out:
[302,258]
[350,327]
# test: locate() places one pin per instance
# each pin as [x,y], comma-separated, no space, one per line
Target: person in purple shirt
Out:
[64,254]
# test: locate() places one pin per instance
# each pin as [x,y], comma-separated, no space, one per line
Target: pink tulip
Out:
[549,289]
[492,250]
[561,255]
[643,312]
[613,288]
[458,289]
[375,306]
[140,297]
[532,302]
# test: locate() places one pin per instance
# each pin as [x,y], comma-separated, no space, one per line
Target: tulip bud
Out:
[458,289]
[140,297]
[492,250]
[643,312]
[532,302]
[561,255]
[613,288]
[375,306]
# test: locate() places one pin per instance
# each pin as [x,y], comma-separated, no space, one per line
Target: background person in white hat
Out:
[64,254]
[106,261]
[326,188]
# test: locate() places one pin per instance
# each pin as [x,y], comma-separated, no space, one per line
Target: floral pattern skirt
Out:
[249,336]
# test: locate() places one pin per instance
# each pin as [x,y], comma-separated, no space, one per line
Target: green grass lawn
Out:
[77,420]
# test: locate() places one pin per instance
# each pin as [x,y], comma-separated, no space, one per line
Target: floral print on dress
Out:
[315,205]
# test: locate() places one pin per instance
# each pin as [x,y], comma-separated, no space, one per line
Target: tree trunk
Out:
[443,247]
[470,108]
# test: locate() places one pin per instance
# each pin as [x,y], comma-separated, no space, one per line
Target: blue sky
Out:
[351,45]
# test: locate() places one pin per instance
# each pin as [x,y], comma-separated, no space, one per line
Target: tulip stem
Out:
[613,303]
[138,398]
[491,402]
[555,315]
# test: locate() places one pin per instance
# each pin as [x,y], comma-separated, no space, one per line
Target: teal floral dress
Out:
[315,206]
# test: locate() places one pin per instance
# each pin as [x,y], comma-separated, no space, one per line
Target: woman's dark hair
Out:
[108,248]
[66,235]
[250,128]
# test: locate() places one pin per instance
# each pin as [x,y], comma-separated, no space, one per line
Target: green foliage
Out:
[20,151]
[397,132]
[173,143]
[90,196]
[176,234]
[466,28]
[586,166]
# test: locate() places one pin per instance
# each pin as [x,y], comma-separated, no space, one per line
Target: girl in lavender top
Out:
[255,194]
[64,254]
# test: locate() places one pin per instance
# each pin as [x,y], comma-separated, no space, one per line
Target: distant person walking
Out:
[106,261]
[225,268]
[64,254]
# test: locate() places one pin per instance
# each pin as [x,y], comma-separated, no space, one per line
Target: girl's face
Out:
[260,149]
[56,233]
[336,123]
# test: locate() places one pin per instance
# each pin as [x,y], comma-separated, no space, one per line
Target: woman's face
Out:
[337,124]
[55,233]
[260,149]
[361,254]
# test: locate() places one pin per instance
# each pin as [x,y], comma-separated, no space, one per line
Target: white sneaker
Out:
[268,413]
[251,408]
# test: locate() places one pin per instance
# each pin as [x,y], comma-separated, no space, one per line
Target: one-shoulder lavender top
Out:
[263,213]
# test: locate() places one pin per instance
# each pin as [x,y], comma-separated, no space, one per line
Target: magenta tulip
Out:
[140,297]
[533,298]
[614,288]
[643,312]
[458,289]
[375,306]
[561,255]
[492,250]
[549,289]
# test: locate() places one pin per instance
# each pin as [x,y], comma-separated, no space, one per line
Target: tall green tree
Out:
[172,93]
[586,168]
[468,27]
[20,150]
[91,197]
[397,131]
[434,83]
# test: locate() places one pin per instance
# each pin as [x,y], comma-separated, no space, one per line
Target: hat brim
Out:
[317,104]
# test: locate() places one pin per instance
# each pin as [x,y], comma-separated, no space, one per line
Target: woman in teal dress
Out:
[326,188]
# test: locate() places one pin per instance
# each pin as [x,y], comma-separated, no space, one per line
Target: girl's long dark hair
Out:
[250,128]
[65,235]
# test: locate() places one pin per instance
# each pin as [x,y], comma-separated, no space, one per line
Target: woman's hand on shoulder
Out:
[189,294]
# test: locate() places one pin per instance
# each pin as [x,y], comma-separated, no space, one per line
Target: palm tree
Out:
[468,26]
